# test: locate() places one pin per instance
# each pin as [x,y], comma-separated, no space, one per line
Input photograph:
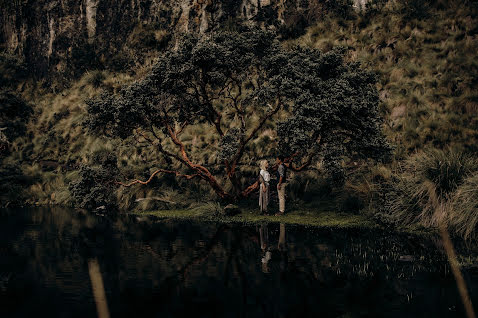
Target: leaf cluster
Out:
[95,185]
[334,105]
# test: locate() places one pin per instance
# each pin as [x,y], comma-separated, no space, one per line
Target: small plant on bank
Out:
[94,188]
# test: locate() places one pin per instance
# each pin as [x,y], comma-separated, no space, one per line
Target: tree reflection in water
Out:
[268,249]
[167,268]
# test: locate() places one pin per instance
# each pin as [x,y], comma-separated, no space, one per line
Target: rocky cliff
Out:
[68,36]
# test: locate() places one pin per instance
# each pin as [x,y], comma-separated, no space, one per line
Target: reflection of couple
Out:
[265,178]
[266,249]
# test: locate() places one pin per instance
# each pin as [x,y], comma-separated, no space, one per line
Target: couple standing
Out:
[264,180]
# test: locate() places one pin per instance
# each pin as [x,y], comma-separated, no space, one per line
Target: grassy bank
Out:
[305,217]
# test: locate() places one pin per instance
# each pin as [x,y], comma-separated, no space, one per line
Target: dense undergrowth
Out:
[425,56]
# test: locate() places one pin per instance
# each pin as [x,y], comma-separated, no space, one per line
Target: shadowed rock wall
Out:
[68,36]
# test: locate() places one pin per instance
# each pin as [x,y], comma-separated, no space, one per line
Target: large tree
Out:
[314,105]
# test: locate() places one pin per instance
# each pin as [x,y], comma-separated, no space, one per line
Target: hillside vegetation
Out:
[425,56]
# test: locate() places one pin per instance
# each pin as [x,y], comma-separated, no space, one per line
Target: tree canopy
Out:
[315,106]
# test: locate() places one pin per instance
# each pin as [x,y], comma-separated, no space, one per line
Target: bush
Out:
[96,78]
[351,203]
[12,186]
[463,215]
[429,180]
[415,9]
[14,114]
[120,62]
[95,186]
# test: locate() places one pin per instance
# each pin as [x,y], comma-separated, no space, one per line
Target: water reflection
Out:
[172,269]
[266,252]
[268,249]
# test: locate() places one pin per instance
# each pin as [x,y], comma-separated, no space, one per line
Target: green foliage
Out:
[120,62]
[95,185]
[339,8]
[332,106]
[293,27]
[351,203]
[373,7]
[335,103]
[147,37]
[230,143]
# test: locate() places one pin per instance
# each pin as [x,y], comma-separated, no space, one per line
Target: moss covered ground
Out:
[306,218]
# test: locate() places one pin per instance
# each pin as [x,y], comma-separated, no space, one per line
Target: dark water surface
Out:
[175,269]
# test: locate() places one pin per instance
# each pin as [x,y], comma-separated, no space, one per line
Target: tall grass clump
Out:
[427,180]
[463,214]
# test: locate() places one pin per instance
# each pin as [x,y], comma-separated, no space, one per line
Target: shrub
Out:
[12,186]
[339,8]
[14,114]
[429,180]
[463,215]
[445,169]
[351,203]
[120,62]
[95,185]
[414,9]
[96,78]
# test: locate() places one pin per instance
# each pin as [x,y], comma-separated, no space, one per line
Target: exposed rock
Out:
[231,210]
[398,112]
[53,35]
[384,94]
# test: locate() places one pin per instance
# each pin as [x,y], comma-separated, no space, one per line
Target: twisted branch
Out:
[187,176]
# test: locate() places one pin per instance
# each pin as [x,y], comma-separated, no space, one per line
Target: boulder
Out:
[230,210]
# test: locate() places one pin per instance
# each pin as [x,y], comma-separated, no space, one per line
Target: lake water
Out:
[169,268]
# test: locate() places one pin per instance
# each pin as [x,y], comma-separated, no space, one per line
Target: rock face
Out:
[59,36]
[67,36]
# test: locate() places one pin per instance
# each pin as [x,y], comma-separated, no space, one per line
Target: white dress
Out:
[264,196]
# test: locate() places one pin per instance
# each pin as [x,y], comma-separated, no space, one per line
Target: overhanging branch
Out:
[187,176]
[259,126]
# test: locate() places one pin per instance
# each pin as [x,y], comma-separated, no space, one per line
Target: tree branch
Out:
[303,166]
[187,176]
[214,115]
[204,172]
[263,120]
[247,191]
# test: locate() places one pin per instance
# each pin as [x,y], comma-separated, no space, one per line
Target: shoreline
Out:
[307,218]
